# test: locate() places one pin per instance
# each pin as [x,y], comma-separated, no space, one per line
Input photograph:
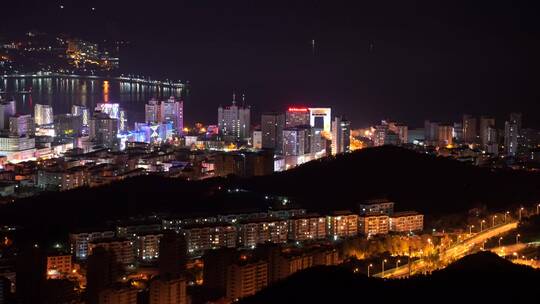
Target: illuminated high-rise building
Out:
[445,135]
[341,136]
[21,125]
[470,129]
[81,111]
[152,111]
[103,130]
[512,129]
[172,110]
[297,117]
[234,121]
[296,141]
[43,114]
[321,118]
[272,125]
[7,109]
[485,124]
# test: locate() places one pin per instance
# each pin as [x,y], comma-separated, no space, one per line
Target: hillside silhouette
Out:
[480,277]
[428,184]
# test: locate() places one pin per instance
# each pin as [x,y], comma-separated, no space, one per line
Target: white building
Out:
[321,118]
[234,121]
[43,114]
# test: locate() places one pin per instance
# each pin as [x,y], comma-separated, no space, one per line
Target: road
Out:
[451,254]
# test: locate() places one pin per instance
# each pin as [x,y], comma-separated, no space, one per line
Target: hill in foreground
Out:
[483,277]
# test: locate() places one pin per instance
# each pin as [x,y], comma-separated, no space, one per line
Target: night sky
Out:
[403,60]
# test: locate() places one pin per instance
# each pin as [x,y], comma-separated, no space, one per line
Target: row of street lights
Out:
[382,266]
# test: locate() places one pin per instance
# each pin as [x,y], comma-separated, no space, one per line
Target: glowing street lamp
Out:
[505,214]
[397,263]
[537,209]
[520,210]
[470,229]
[493,221]
[517,238]
[382,273]
[482,225]
[368,268]
[500,239]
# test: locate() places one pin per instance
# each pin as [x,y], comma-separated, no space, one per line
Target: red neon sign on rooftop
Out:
[294,109]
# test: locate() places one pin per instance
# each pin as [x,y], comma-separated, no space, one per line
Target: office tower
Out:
[234,121]
[470,130]
[341,136]
[102,271]
[272,125]
[485,124]
[43,114]
[296,141]
[81,111]
[172,110]
[111,109]
[151,112]
[103,130]
[317,142]
[256,139]
[431,132]
[7,109]
[321,118]
[172,254]
[445,135]
[511,136]
[168,290]
[30,267]
[297,117]
[403,133]
[21,125]
[458,132]
[379,136]
[122,121]
[68,125]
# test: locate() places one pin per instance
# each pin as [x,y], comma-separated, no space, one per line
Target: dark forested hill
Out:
[482,277]
[414,181]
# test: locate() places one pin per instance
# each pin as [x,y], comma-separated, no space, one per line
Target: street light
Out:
[517,238]
[470,229]
[493,221]
[520,209]
[500,239]
[382,273]
[369,266]
[537,209]
[482,225]
[397,263]
[507,213]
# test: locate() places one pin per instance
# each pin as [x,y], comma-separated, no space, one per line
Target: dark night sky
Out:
[429,59]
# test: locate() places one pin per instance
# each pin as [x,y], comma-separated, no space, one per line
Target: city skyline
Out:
[372,60]
[202,151]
